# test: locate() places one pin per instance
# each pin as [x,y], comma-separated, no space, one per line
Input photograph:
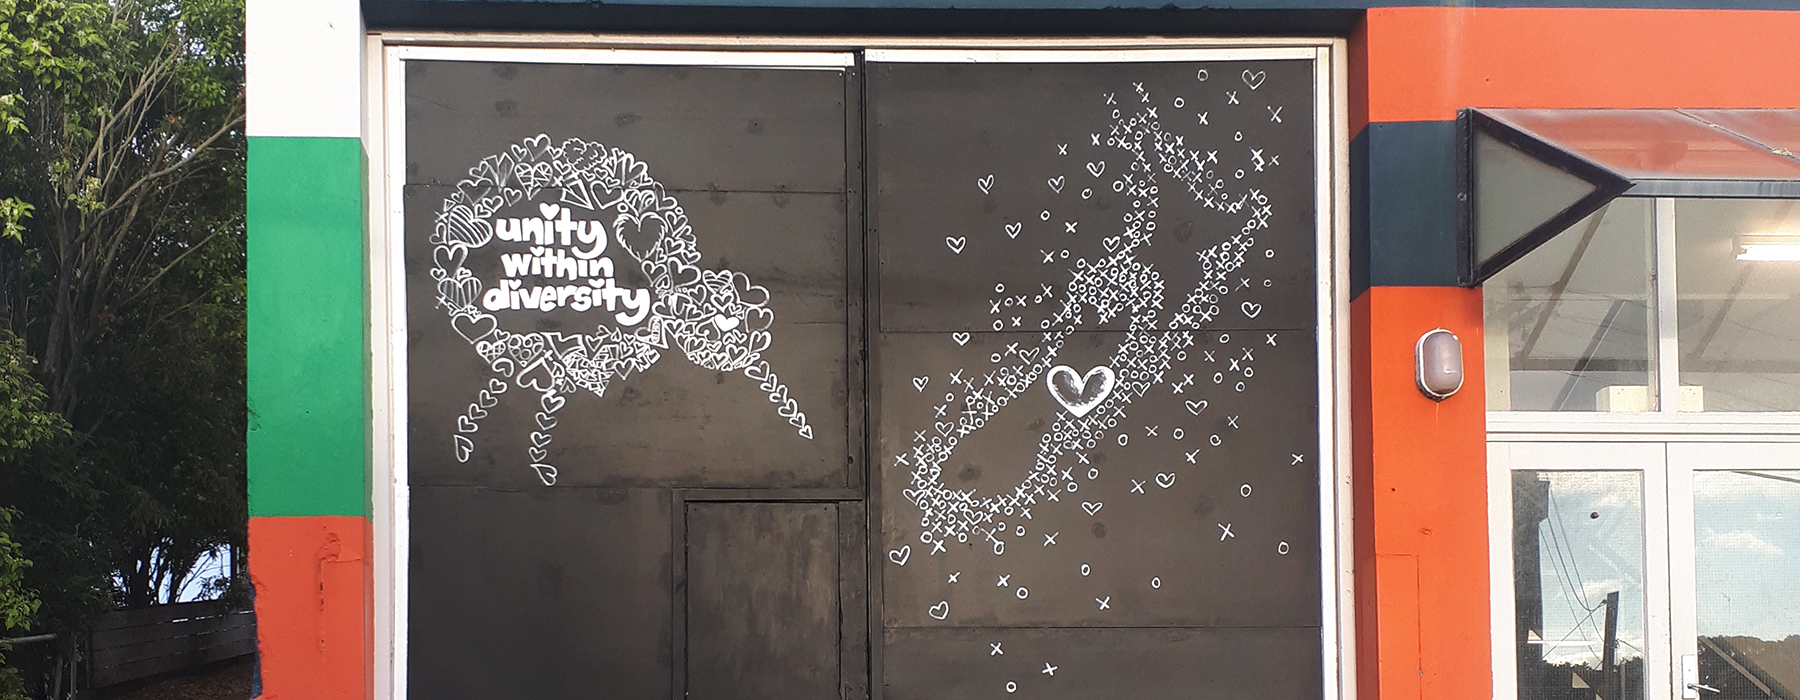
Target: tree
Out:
[23,424]
[121,266]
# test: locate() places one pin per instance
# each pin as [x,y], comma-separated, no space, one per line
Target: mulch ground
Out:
[226,680]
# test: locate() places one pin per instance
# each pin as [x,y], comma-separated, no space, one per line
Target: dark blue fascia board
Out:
[1148,4]
[854,18]
[1403,206]
[945,17]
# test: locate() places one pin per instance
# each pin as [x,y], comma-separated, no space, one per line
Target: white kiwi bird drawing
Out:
[719,320]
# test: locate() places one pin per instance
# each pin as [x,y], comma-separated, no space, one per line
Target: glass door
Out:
[1652,569]
[1737,597]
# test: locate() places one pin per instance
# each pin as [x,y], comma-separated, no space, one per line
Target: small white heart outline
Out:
[901,555]
[956,243]
[1056,184]
[939,611]
[1250,308]
[1096,168]
[1254,80]
[1012,229]
[961,339]
[1195,407]
[1165,479]
[1092,507]
[986,184]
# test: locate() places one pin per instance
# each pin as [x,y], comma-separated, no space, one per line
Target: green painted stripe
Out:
[308,373]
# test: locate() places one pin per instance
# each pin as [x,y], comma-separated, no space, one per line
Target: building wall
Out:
[1419,466]
[1422,594]
[310,534]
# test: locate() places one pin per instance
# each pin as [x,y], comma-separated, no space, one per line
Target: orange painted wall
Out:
[1420,480]
[1423,63]
[314,606]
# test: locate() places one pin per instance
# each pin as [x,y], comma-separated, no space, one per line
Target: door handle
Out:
[1690,678]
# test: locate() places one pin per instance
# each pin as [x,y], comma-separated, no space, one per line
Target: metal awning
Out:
[1528,174]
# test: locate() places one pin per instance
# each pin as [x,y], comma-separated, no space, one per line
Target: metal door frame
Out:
[384,140]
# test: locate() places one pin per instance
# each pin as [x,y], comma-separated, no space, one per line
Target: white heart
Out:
[549,210]
[1079,394]
[986,184]
[1091,508]
[1250,309]
[1056,183]
[1012,230]
[960,338]
[725,323]
[1254,80]
[1095,169]
[920,382]
[899,556]
[1195,407]
[1165,480]
[956,243]
[1111,242]
[940,611]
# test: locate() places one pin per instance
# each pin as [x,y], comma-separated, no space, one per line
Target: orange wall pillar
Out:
[1420,471]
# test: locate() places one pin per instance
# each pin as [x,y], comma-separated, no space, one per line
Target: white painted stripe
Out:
[1088,56]
[303,68]
[636,57]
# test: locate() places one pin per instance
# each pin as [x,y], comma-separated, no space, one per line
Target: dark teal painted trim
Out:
[1137,4]
[1403,206]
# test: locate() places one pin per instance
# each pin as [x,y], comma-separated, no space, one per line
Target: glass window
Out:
[1578,569]
[1738,277]
[1570,326]
[1747,582]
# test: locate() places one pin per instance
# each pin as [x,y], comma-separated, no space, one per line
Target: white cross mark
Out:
[1049,257]
[1069,226]
[1190,456]
[1082,456]
[1050,539]
[1275,114]
[1297,459]
[1225,531]
[1104,602]
[994,649]
[1048,669]
[937,546]
[1137,486]
[1062,149]
[1002,581]
[954,576]
[1231,97]
[1233,421]
[1150,430]
[1271,338]
[1202,116]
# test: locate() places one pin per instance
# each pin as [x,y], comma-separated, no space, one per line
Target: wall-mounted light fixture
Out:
[1438,364]
[1769,247]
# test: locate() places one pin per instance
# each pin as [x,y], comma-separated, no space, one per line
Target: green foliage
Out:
[17,603]
[122,268]
[23,420]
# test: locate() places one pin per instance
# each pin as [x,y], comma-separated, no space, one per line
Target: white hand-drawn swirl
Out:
[1117,283]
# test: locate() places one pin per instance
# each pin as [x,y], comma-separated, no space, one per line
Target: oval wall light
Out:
[1438,364]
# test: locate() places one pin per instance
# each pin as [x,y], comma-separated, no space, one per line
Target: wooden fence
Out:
[132,644]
